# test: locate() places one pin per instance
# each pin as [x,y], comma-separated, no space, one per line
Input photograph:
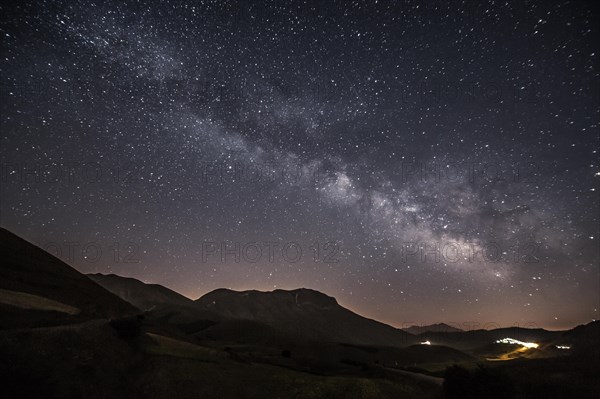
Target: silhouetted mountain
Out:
[305,313]
[439,327]
[39,284]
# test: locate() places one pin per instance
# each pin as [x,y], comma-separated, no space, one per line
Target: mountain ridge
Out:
[140,294]
[300,312]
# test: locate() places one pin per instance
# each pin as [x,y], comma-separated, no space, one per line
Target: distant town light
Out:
[563,346]
[513,341]
[425,343]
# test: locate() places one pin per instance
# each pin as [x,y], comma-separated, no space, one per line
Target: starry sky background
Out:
[357,131]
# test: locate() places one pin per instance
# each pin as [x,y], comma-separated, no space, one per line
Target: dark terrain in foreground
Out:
[64,334]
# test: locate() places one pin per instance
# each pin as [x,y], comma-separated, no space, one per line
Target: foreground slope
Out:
[90,360]
[34,282]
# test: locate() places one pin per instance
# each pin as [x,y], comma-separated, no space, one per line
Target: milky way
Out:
[421,162]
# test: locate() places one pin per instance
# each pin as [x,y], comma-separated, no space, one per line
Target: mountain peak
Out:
[299,296]
[308,295]
[437,327]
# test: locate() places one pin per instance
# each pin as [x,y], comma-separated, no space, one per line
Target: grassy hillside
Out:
[28,269]
[34,302]
[67,361]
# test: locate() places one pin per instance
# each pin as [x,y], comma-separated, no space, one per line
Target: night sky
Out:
[420,161]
